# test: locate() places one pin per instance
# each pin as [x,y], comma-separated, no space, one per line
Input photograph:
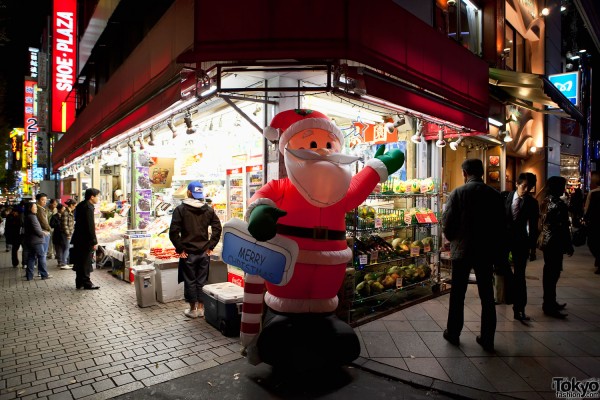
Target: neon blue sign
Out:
[568,84]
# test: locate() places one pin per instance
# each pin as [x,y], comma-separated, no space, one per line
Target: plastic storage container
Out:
[223,307]
[145,285]
[167,288]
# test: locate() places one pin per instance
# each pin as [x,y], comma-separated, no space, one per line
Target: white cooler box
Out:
[223,307]
[167,288]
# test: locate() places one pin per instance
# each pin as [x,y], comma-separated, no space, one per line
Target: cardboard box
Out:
[223,307]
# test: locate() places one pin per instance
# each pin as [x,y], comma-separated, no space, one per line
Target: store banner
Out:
[272,260]
[161,172]
[64,63]
[42,149]
[143,190]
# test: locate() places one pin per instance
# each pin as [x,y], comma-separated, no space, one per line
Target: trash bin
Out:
[145,287]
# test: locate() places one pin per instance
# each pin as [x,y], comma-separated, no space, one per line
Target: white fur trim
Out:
[271,133]
[308,123]
[281,304]
[379,167]
[324,257]
[258,202]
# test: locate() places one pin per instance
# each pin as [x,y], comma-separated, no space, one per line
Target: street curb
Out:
[426,382]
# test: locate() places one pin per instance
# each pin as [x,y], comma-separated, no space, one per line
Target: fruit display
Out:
[111,229]
[374,283]
[389,218]
[377,250]
[411,186]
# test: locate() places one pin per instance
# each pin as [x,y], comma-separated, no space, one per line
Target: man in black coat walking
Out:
[522,213]
[592,218]
[473,222]
[84,240]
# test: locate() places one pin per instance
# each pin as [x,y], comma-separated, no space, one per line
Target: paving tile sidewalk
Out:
[60,343]
[409,345]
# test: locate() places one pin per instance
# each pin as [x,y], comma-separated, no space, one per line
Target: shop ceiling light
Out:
[141,141]
[507,137]
[454,145]
[440,142]
[451,2]
[545,11]
[130,145]
[151,135]
[416,138]
[172,127]
[495,122]
[188,123]
[119,154]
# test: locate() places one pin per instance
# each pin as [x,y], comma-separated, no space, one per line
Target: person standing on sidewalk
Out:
[522,214]
[42,215]
[67,227]
[52,210]
[189,235]
[473,222]
[84,240]
[35,239]
[60,245]
[592,219]
[554,241]
[14,234]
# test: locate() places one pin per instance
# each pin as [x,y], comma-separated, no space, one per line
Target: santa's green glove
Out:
[393,159]
[263,220]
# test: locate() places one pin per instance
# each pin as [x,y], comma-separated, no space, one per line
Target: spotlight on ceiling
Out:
[188,123]
[151,135]
[440,142]
[172,128]
[454,145]
[416,138]
[507,137]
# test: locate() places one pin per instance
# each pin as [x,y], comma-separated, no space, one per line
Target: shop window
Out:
[515,57]
[464,24]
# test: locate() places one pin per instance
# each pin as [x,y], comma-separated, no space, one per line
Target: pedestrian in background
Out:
[592,218]
[474,224]
[14,234]
[554,241]
[522,214]
[60,245]
[35,240]
[84,240]
[576,201]
[51,211]
[42,214]
[189,234]
[67,227]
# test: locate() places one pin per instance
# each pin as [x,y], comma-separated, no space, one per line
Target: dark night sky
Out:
[21,25]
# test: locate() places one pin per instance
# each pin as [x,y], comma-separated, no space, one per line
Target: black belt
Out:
[317,233]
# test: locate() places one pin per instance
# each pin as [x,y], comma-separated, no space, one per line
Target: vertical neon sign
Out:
[64,56]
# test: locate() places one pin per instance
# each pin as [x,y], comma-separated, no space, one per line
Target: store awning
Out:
[378,34]
[526,90]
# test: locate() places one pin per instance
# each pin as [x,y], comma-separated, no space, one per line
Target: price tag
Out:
[427,248]
[378,222]
[424,218]
[399,282]
[374,256]
[363,259]
[415,251]
[407,218]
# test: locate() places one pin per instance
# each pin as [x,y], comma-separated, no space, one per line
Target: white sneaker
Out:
[200,312]
[66,266]
[191,313]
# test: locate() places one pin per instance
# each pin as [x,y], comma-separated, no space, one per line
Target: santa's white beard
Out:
[321,182]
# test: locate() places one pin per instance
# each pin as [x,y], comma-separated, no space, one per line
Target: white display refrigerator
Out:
[254,180]
[235,193]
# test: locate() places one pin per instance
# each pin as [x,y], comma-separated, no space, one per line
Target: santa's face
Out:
[316,168]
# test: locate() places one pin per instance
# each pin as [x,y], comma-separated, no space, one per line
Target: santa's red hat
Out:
[290,122]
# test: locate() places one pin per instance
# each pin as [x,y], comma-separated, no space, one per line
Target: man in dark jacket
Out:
[14,234]
[473,222]
[84,240]
[522,212]
[592,218]
[189,234]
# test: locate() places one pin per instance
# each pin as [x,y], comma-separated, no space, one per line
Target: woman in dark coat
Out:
[14,236]
[34,240]
[554,242]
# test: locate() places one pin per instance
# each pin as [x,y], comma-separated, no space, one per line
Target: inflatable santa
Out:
[299,327]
